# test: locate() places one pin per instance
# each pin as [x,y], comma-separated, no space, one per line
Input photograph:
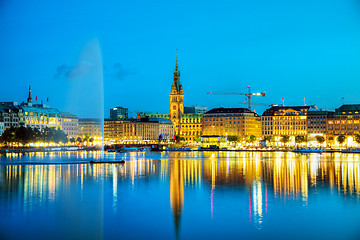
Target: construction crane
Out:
[248,95]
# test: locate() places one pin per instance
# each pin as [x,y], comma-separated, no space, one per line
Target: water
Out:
[179,195]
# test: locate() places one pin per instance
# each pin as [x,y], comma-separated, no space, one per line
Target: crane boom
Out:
[248,95]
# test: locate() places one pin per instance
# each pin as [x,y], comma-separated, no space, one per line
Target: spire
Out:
[176,87]
[176,65]
[29,100]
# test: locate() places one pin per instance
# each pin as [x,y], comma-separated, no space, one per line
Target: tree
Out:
[252,139]
[86,138]
[357,138]
[91,140]
[233,138]
[300,139]
[285,139]
[79,140]
[197,138]
[341,139]
[320,139]
[72,140]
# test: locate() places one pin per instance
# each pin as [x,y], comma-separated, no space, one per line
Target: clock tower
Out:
[176,99]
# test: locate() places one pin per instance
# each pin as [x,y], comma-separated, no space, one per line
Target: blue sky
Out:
[291,49]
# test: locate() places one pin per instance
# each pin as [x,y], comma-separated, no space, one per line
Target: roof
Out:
[348,107]
[229,110]
[40,109]
[271,111]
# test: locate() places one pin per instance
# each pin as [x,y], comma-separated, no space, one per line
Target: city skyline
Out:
[223,47]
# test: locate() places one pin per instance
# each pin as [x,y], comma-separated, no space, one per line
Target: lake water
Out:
[180,195]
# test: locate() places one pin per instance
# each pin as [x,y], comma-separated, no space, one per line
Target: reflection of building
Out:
[239,122]
[280,120]
[119,113]
[90,127]
[69,124]
[177,190]
[344,121]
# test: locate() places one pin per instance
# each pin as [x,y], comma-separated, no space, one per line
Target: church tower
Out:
[176,99]
[29,100]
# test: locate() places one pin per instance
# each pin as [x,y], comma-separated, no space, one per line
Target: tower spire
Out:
[29,100]
[176,65]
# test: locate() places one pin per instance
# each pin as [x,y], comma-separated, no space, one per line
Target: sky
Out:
[83,55]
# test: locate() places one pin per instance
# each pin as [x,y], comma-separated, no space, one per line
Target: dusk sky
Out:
[291,49]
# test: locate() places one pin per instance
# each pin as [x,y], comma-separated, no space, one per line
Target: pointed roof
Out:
[176,87]
[29,100]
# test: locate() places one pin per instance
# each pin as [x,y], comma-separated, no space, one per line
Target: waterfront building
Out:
[70,124]
[90,127]
[240,122]
[41,116]
[176,99]
[316,125]
[11,115]
[148,130]
[119,113]
[113,130]
[191,126]
[344,121]
[281,120]
[187,120]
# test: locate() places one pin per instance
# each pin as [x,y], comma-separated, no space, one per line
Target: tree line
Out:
[25,135]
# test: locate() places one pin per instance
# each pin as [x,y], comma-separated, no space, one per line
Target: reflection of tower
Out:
[176,99]
[176,192]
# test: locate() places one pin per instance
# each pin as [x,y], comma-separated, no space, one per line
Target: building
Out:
[90,127]
[41,116]
[113,131]
[70,124]
[223,122]
[176,99]
[119,113]
[129,131]
[187,120]
[344,121]
[280,120]
[191,126]
[11,115]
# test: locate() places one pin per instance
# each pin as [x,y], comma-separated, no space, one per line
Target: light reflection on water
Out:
[228,194]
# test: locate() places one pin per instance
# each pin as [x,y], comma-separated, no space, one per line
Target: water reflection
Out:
[262,176]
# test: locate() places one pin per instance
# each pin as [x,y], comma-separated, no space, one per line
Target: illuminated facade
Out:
[119,113]
[113,130]
[90,127]
[344,121]
[148,130]
[239,122]
[41,116]
[176,100]
[280,120]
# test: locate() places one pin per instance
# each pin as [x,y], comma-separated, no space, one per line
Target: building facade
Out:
[278,121]
[176,100]
[240,122]
[113,131]
[2,128]
[90,127]
[11,114]
[70,124]
[344,121]
[119,113]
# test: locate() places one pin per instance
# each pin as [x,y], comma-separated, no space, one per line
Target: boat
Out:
[351,150]
[119,161]
[309,150]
